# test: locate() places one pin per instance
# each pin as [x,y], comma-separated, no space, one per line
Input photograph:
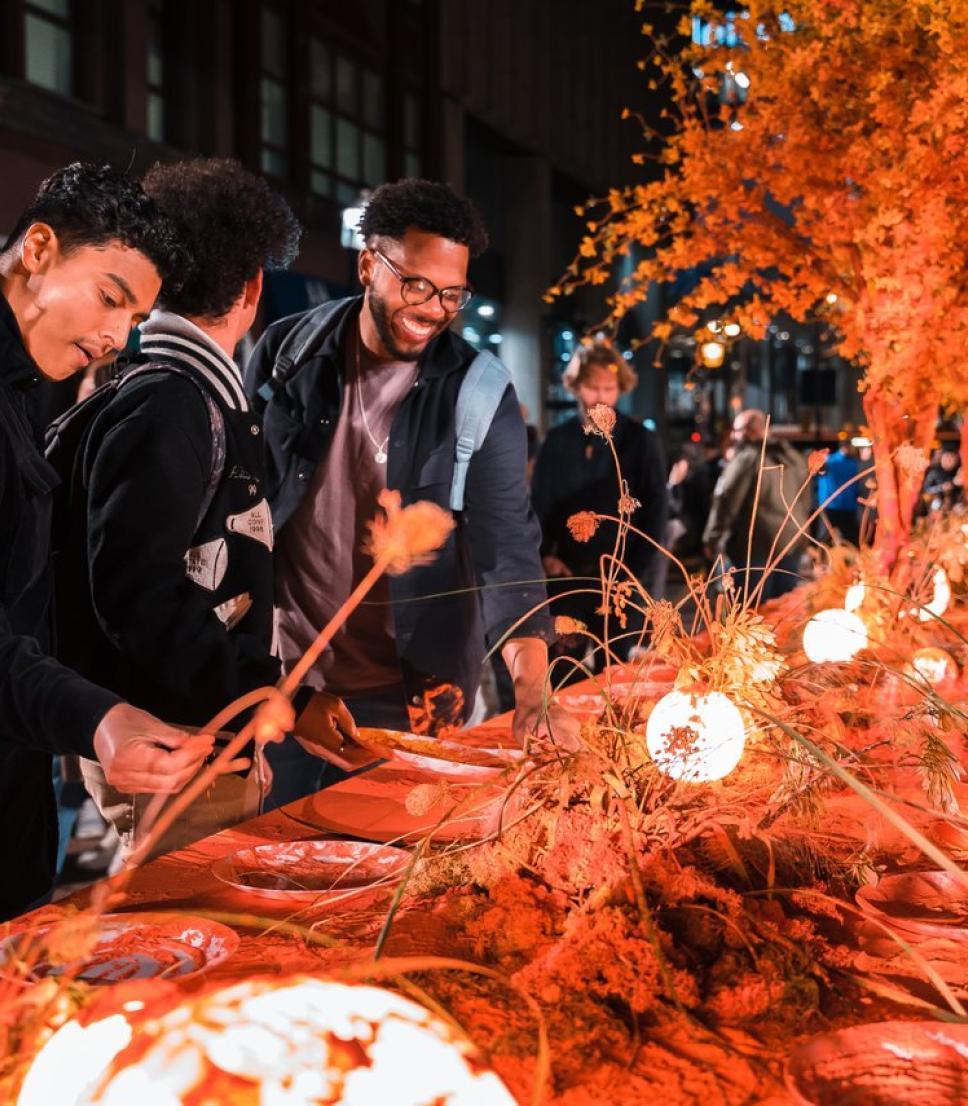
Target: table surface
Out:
[371,805]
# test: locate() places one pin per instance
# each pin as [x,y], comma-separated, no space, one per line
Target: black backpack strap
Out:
[216,424]
[296,345]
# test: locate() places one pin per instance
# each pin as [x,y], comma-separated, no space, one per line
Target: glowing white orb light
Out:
[294,1041]
[934,665]
[938,603]
[834,635]
[695,737]
[854,596]
[76,1054]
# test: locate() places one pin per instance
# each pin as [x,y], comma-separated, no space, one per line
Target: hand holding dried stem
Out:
[402,538]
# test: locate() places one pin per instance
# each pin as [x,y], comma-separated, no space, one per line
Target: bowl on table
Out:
[882,1064]
[123,947]
[312,872]
[922,904]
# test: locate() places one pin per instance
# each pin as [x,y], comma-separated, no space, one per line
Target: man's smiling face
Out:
[404,329]
[82,303]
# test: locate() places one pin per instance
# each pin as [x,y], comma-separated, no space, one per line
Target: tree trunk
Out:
[898,485]
[920,434]
[963,450]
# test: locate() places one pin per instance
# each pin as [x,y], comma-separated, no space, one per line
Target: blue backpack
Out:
[477,401]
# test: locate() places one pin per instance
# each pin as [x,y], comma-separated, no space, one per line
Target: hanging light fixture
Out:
[713,354]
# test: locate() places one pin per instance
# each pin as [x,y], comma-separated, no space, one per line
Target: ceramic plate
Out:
[311,871]
[457,770]
[133,946]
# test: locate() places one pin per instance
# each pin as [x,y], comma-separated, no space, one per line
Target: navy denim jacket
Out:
[494,548]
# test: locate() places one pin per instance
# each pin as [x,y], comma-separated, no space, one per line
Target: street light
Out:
[349,234]
[713,354]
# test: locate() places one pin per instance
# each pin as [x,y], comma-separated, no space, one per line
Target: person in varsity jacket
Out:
[169,476]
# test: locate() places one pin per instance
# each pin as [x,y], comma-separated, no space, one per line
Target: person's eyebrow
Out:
[124,286]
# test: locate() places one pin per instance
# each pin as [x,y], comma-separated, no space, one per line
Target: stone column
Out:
[528,274]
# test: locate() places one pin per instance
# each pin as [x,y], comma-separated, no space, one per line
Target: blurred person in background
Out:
[749,522]
[575,471]
[835,482]
[942,481]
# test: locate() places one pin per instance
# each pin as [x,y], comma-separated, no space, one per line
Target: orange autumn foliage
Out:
[838,191]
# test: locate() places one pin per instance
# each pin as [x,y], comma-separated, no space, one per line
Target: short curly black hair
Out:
[88,204]
[232,225]
[427,205]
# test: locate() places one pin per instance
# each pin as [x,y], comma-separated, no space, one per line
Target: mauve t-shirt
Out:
[319,554]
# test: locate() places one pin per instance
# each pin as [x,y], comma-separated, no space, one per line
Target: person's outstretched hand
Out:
[527,661]
[141,754]
[324,725]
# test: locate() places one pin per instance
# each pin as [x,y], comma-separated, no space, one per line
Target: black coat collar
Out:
[16,364]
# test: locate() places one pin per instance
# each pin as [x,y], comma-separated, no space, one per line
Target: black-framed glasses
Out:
[417,289]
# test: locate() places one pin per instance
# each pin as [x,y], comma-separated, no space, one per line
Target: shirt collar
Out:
[169,335]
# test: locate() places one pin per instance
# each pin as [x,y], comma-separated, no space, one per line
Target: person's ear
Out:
[364,267]
[38,247]
[253,290]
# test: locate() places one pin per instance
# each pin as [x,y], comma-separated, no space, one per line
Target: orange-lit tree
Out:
[815,163]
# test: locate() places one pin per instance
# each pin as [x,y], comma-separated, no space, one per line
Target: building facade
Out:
[514,102]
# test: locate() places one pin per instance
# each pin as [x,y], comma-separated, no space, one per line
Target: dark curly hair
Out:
[87,204]
[427,205]
[232,224]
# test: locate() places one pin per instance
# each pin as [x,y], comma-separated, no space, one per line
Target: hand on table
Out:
[141,754]
[527,661]
[556,723]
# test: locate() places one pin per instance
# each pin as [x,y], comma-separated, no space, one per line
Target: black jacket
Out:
[44,707]
[495,544]
[575,472]
[148,617]
[773,503]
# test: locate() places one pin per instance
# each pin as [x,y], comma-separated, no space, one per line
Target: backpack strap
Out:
[477,401]
[216,425]
[295,346]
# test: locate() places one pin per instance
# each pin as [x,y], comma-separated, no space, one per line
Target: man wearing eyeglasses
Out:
[366,403]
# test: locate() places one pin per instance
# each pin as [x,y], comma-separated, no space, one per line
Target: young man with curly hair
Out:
[370,403]
[175,603]
[83,264]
